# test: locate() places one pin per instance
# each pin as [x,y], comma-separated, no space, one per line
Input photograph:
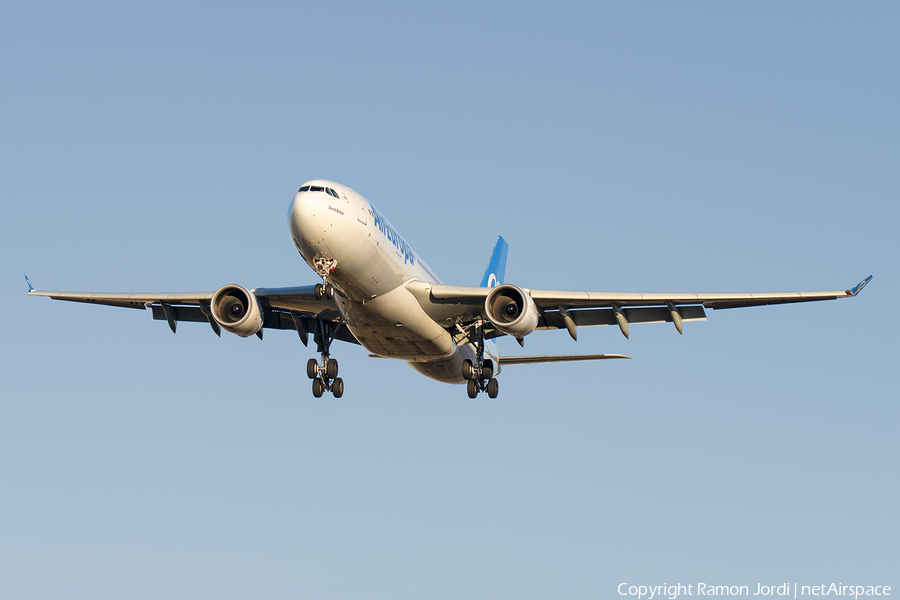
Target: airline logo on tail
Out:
[496,269]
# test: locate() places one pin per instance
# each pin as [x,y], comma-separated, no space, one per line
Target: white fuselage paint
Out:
[372,265]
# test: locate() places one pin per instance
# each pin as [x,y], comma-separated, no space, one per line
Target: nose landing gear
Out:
[325,376]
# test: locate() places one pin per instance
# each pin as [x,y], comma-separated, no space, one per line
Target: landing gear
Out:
[331,368]
[480,376]
[324,291]
[468,371]
[487,369]
[324,377]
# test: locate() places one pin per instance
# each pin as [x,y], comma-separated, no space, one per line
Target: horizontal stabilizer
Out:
[527,360]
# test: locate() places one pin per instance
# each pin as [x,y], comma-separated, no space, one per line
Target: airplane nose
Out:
[306,230]
[302,208]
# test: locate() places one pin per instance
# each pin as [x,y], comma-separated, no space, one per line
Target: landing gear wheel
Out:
[318,388]
[487,369]
[337,387]
[472,388]
[331,368]
[329,291]
[320,291]
[312,368]
[492,388]
[467,370]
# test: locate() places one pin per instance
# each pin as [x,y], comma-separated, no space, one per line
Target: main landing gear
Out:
[480,375]
[325,376]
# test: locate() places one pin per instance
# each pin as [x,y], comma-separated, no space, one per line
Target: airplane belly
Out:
[394,325]
[446,370]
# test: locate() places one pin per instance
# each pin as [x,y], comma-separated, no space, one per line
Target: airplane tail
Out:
[496,269]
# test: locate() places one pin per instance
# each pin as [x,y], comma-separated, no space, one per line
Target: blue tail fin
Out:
[496,269]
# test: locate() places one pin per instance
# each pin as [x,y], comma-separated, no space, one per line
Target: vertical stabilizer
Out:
[496,269]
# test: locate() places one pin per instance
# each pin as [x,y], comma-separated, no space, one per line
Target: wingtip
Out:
[859,286]
[30,287]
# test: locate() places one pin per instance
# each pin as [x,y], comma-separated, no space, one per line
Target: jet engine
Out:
[511,310]
[237,310]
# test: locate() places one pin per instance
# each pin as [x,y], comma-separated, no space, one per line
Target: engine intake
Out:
[511,310]
[237,310]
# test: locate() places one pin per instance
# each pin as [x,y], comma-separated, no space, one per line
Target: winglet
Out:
[28,281]
[859,286]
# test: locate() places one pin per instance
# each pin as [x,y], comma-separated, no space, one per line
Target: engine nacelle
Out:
[511,310]
[237,310]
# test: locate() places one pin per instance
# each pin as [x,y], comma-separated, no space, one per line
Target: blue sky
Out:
[616,146]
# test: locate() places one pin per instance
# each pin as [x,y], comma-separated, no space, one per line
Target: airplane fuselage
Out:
[348,242]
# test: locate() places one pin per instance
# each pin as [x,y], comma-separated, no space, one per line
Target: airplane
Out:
[376,291]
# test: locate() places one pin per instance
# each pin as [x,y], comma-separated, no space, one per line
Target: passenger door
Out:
[362,209]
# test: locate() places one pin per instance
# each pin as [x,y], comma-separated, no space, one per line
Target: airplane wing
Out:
[284,308]
[571,309]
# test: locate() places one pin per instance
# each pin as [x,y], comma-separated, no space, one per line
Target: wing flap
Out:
[550,298]
[180,313]
[274,319]
[283,307]
[606,316]
[300,299]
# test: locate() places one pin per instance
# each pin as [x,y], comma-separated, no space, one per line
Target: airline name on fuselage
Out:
[393,237]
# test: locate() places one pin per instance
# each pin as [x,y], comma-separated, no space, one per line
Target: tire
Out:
[337,387]
[493,388]
[320,291]
[318,388]
[312,368]
[472,388]
[329,291]
[331,368]
[487,369]
[467,370]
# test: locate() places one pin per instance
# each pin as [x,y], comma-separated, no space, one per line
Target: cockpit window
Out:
[305,188]
[332,192]
[316,188]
